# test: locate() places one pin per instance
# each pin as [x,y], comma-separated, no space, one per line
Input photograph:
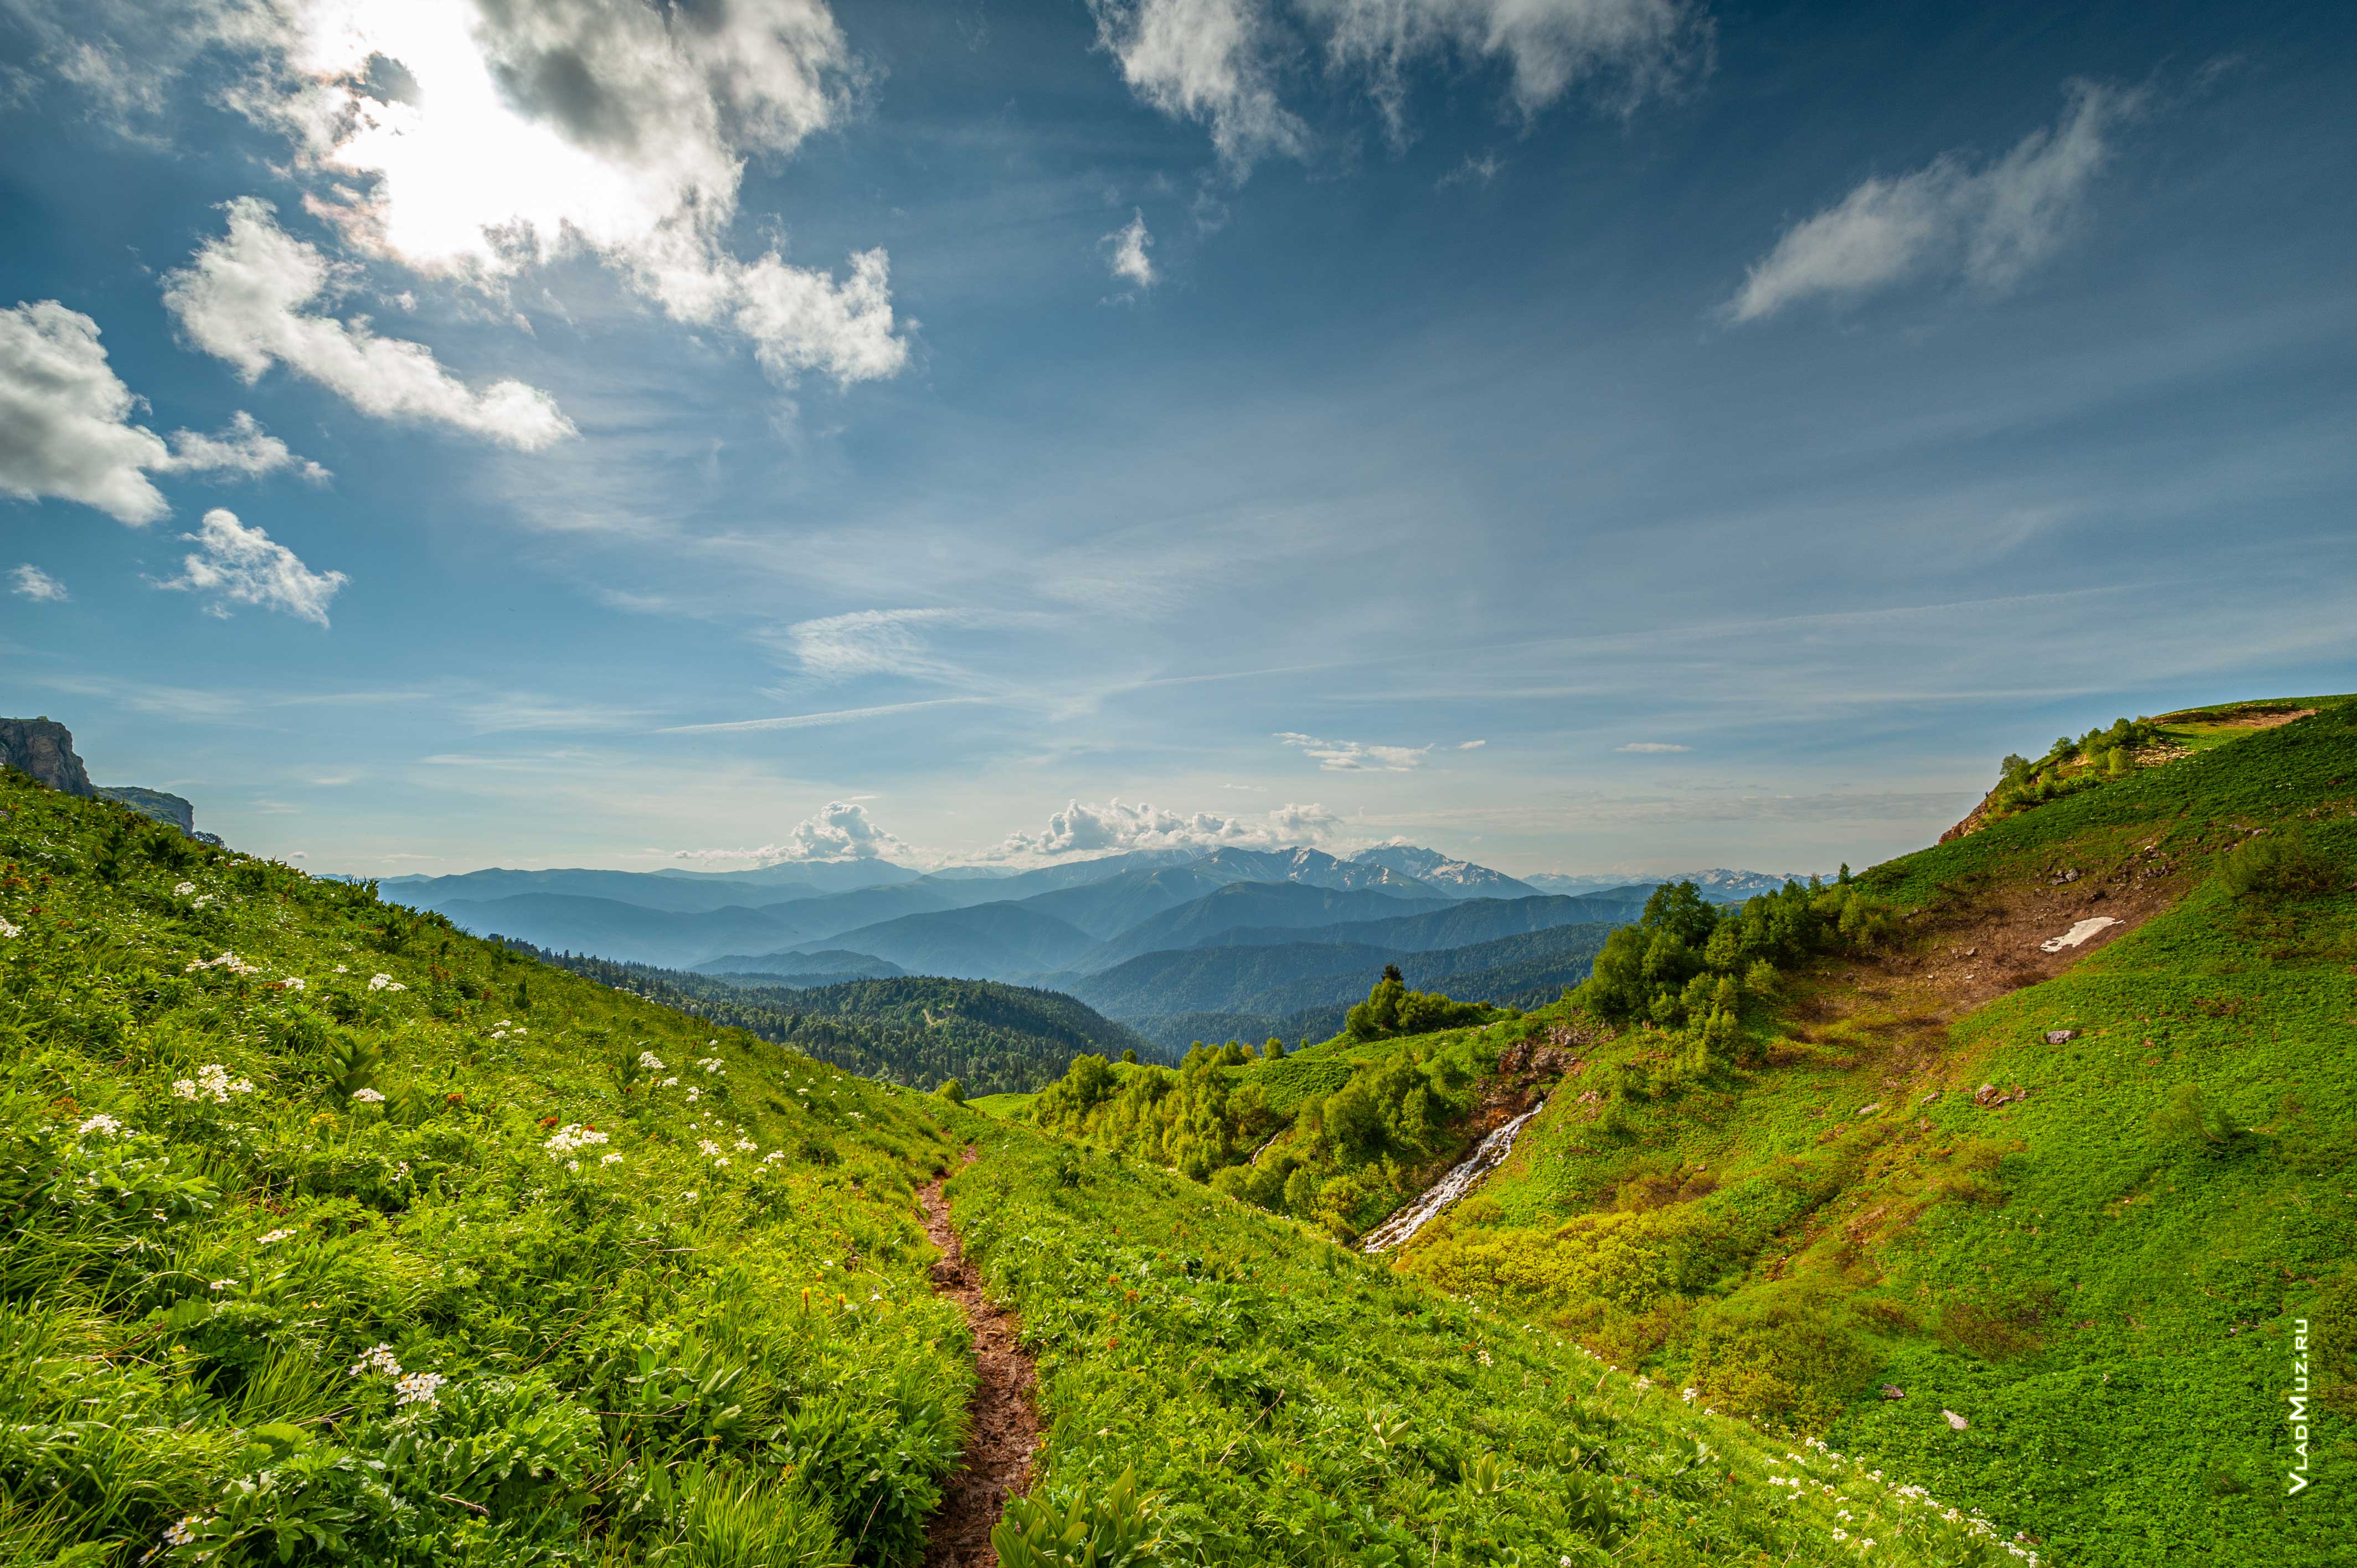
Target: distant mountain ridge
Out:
[1718,885]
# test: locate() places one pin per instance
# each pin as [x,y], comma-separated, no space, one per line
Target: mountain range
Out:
[1252,940]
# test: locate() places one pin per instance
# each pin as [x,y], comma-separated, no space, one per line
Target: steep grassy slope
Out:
[330,1235]
[911,1030]
[2095,1202]
[1285,1402]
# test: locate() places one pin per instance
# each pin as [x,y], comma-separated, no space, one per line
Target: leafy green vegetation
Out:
[1219,1388]
[332,1235]
[2088,1215]
[913,1031]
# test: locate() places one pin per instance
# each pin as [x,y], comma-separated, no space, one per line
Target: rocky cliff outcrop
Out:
[154,803]
[44,748]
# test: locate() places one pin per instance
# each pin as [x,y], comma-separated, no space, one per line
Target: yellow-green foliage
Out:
[328,1234]
[2103,1264]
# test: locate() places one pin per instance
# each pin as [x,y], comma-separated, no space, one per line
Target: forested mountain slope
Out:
[916,1031]
[333,1235]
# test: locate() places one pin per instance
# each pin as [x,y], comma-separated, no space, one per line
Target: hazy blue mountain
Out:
[834,963]
[1105,909]
[1455,926]
[1719,886]
[1310,867]
[1242,905]
[649,890]
[631,932]
[1251,993]
[985,941]
[1435,870]
[821,876]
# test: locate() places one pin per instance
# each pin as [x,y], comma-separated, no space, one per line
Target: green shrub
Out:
[1112,1529]
[2280,865]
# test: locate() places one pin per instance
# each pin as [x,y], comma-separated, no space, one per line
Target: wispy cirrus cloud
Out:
[1650,747]
[30,581]
[1988,226]
[1357,756]
[833,716]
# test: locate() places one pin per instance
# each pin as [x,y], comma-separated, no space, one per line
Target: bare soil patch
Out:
[1005,1424]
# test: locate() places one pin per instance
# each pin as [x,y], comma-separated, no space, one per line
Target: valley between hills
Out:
[1989,1205]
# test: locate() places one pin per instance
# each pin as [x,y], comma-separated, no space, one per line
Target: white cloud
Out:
[1355,757]
[243,299]
[1218,61]
[840,831]
[871,642]
[244,448]
[66,425]
[1472,171]
[36,585]
[474,138]
[243,566]
[1084,828]
[1471,745]
[833,716]
[1203,59]
[1652,746]
[1989,227]
[1548,45]
[1130,243]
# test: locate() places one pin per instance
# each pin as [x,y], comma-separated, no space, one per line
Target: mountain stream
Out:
[1396,1231]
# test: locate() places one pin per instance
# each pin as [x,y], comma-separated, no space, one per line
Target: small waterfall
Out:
[1400,1227]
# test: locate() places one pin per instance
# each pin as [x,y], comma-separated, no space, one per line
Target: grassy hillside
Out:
[1283,1401]
[915,1031]
[334,1236]
[2091,1200]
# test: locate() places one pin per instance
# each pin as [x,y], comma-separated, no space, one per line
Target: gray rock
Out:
[1957,1421]
[43,749]
[1893,1392]
[2060,1037]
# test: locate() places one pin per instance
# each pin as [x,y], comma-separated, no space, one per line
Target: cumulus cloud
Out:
[1547,46]
[1989,226]
[473,138]
[244,298]
[1129,244]
[66,425]
[1210,60]
[1356,756]
[840,831]
[1085,828]
[36,585]
[1218,61]
[235,564]
[244,448]
[1652,746]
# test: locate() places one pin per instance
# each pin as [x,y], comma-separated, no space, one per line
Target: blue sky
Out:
[1577,435]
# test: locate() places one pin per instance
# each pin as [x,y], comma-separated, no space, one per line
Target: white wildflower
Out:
[228,960]
[714,1065]
[707,1148]
[271,1237]
[610,1160]
[376,1359]
[184,1089]
[418,1388]
[687,1197]
[341,969]
[8,930]
[220,1285]
[746,1146]
[693,1094]
[649,1061]
[293,982]
[668,1083]
[103,1124]
[573,1164]
[368,1095]
[183,1532]
[183,889]
[564,1140]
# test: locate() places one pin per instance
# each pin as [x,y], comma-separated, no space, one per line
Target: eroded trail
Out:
[1005,1426]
